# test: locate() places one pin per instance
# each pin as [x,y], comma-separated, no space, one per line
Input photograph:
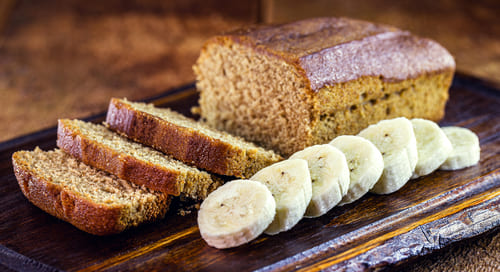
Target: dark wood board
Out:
[426,215]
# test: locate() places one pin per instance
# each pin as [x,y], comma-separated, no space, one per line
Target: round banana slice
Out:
[466,150]
[329,176]
[236,213]
[290,183]
[365,165]
[433,146]
[396,141]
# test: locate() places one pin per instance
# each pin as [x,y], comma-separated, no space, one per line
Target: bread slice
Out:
[289,86]
[91,200]
[187,140]
[101,148]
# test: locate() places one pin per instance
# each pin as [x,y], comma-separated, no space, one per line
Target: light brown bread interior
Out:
[92,200]
[188,140]
[258,97]
[100,147]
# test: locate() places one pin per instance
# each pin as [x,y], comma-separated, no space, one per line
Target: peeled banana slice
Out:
[365,165]
[396,141]
[290,183]
[433,146]
[329,176]
[236,213]
[466,150]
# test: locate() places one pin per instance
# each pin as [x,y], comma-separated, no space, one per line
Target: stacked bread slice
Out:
[92,200]
[103,149]
[104,182]
[187,140]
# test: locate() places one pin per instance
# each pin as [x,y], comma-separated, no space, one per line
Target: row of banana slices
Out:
[380,159]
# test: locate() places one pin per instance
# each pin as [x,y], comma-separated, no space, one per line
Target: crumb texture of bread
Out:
[289,86]
[187,140]
[104,149]
[92,200]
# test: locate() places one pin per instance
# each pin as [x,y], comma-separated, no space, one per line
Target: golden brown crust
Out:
[312,46]
[119,164]
[67,205]
[183,143]
[301,38]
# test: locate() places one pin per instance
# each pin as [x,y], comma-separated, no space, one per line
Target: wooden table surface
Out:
[67,58]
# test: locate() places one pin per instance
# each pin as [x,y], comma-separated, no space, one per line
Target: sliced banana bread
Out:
[100,147]
[290,86]
[187,140]
[91,200]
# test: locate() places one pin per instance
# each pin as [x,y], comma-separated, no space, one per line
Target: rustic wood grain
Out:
[427,214]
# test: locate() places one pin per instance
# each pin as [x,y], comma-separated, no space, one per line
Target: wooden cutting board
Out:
[427,214]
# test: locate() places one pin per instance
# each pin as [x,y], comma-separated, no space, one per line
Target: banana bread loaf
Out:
[91,200]
[187,140]
[289,86]
[101,148]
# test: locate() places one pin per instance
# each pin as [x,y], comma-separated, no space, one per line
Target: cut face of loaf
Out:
[100,147]
[304,83]
[91,200]
[187,140]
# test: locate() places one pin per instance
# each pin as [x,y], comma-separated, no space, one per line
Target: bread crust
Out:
[345,69]
[313,42]
[127,167]
[183,143]
[67,205]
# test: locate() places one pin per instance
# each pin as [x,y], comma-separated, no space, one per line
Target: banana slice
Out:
[466,150]
[329,176]
[365,165]
[396,141]
[236,213]
[290,183]
[433,146]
